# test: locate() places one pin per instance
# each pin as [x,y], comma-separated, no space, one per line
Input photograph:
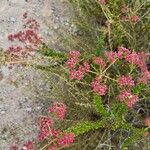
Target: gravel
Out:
[20,104]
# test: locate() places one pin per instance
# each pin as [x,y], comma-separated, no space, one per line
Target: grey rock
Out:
[3,112]
[12,19]
[28,109]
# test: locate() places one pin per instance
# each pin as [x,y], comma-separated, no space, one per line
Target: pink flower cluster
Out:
[122,52]
[57,138]
[71,63]
[73,59]
[123,95]
[132,18]
[132,100]
[29,145]
[133,58]
[128,98]
[99,61]
[136,58]
[126,81]
[14,147]
[111,56]
[135,18]
[47,130]
[74,54]
[79,73]
[59,109]
[66,140]
[29,38]
[44,124]
[76,74]
[99,87]
[145,77]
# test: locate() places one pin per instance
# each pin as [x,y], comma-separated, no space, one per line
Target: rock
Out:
[29,109]
[12,19]
[3,112]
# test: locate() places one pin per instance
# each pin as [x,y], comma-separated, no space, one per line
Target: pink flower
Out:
[132,100]
[98,87]
[128,98]
[77,74]
[145,77]
[85,68]
[10,37]
[42,121]
[122,51]
[29,38]
[14,50]
[28,146]
[44,133]
[66,140]
[125,81]
[74,54]
[99,61]
[82,70]
[147,121]
[123,95]
[133,58]
[135,18]
[55,133]
[59,109]
[138,59]
[142,62]
[111,56]
[71,63]
[44,124]
[14,147]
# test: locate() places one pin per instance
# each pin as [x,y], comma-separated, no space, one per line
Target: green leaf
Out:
[85,127]
[100,44]
[137,89]
[51,53]
[119,109]
[99,106]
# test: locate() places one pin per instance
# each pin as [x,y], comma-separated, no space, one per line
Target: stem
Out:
[110,78]
[48,144]
[109,66]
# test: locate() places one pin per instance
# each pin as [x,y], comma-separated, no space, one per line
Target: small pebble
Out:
[29,109]
[3,112]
